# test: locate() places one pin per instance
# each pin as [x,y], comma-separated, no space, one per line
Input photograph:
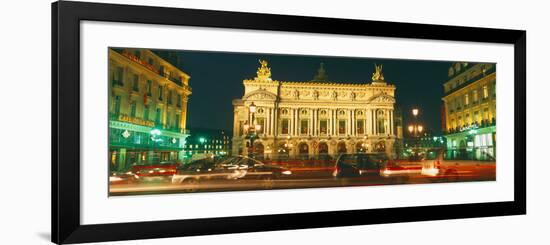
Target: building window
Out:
[170,97]
[323,125]
[168,121]
[304,126]
[178,97]
[485,91]
[466,99]
[149,87]
[341,126]
[117,104]
[475,95]
[381,126]
[160,92]
[261,121]
[381,123]
[133,109]
[158,116]
[135,86]
[150,61]
[284,126]
[146,112]
[117,77]
[360,126]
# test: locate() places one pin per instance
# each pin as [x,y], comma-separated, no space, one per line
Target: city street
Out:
[302,177]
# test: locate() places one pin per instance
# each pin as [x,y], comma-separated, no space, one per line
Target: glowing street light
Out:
[252,108]
[415,112]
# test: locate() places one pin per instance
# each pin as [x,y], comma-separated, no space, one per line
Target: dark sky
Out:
[216,79]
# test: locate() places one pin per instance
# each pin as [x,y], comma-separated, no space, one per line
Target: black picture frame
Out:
[66,18]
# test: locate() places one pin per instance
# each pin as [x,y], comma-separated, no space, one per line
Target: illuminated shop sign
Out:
[138,121]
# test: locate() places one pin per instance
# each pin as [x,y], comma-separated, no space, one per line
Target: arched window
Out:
[381,122]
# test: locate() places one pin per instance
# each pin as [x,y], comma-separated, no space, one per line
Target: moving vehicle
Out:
[232,168]
[162,171]
[116,178]
[360,164]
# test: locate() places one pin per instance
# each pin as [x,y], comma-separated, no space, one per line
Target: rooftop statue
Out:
[263,72]
[377,75]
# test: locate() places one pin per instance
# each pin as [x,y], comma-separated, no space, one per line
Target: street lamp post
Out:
[415,129]
[252,129]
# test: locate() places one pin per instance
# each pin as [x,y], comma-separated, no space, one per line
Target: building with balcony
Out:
[469,111]
[313,117]
[147,108]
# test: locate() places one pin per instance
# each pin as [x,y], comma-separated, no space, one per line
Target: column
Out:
[352,122]
[368,122]
[311,122]
[267,129]
[291,122]
[314,122]
[335,122]
[374,128]
[235,122]
[391,123]
[349,126]
[329,126]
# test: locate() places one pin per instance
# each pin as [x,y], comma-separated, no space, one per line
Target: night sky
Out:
[216,79]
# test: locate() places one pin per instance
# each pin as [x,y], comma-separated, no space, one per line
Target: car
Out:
[360,164]
[235,168]
[116,178]
[162,171]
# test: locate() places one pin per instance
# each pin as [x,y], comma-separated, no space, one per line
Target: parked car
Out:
[360,164]
[232,168]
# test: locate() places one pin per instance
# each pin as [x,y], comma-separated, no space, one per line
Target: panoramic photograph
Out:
[184,121]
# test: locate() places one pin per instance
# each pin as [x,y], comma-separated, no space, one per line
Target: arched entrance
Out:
[341,147]
[360,147]
[303,150]
[282,151]
[259,151]
[323,148]
[380,146]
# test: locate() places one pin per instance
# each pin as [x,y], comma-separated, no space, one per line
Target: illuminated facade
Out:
[313,117]
[147,108]
[469,113]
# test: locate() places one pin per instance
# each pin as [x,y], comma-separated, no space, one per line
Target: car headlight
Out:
[286,172]
[114,178]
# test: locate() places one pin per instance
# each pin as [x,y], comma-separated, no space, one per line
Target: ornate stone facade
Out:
[314,117]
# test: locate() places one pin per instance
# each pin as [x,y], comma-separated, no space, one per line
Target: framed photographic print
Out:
[176,122]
